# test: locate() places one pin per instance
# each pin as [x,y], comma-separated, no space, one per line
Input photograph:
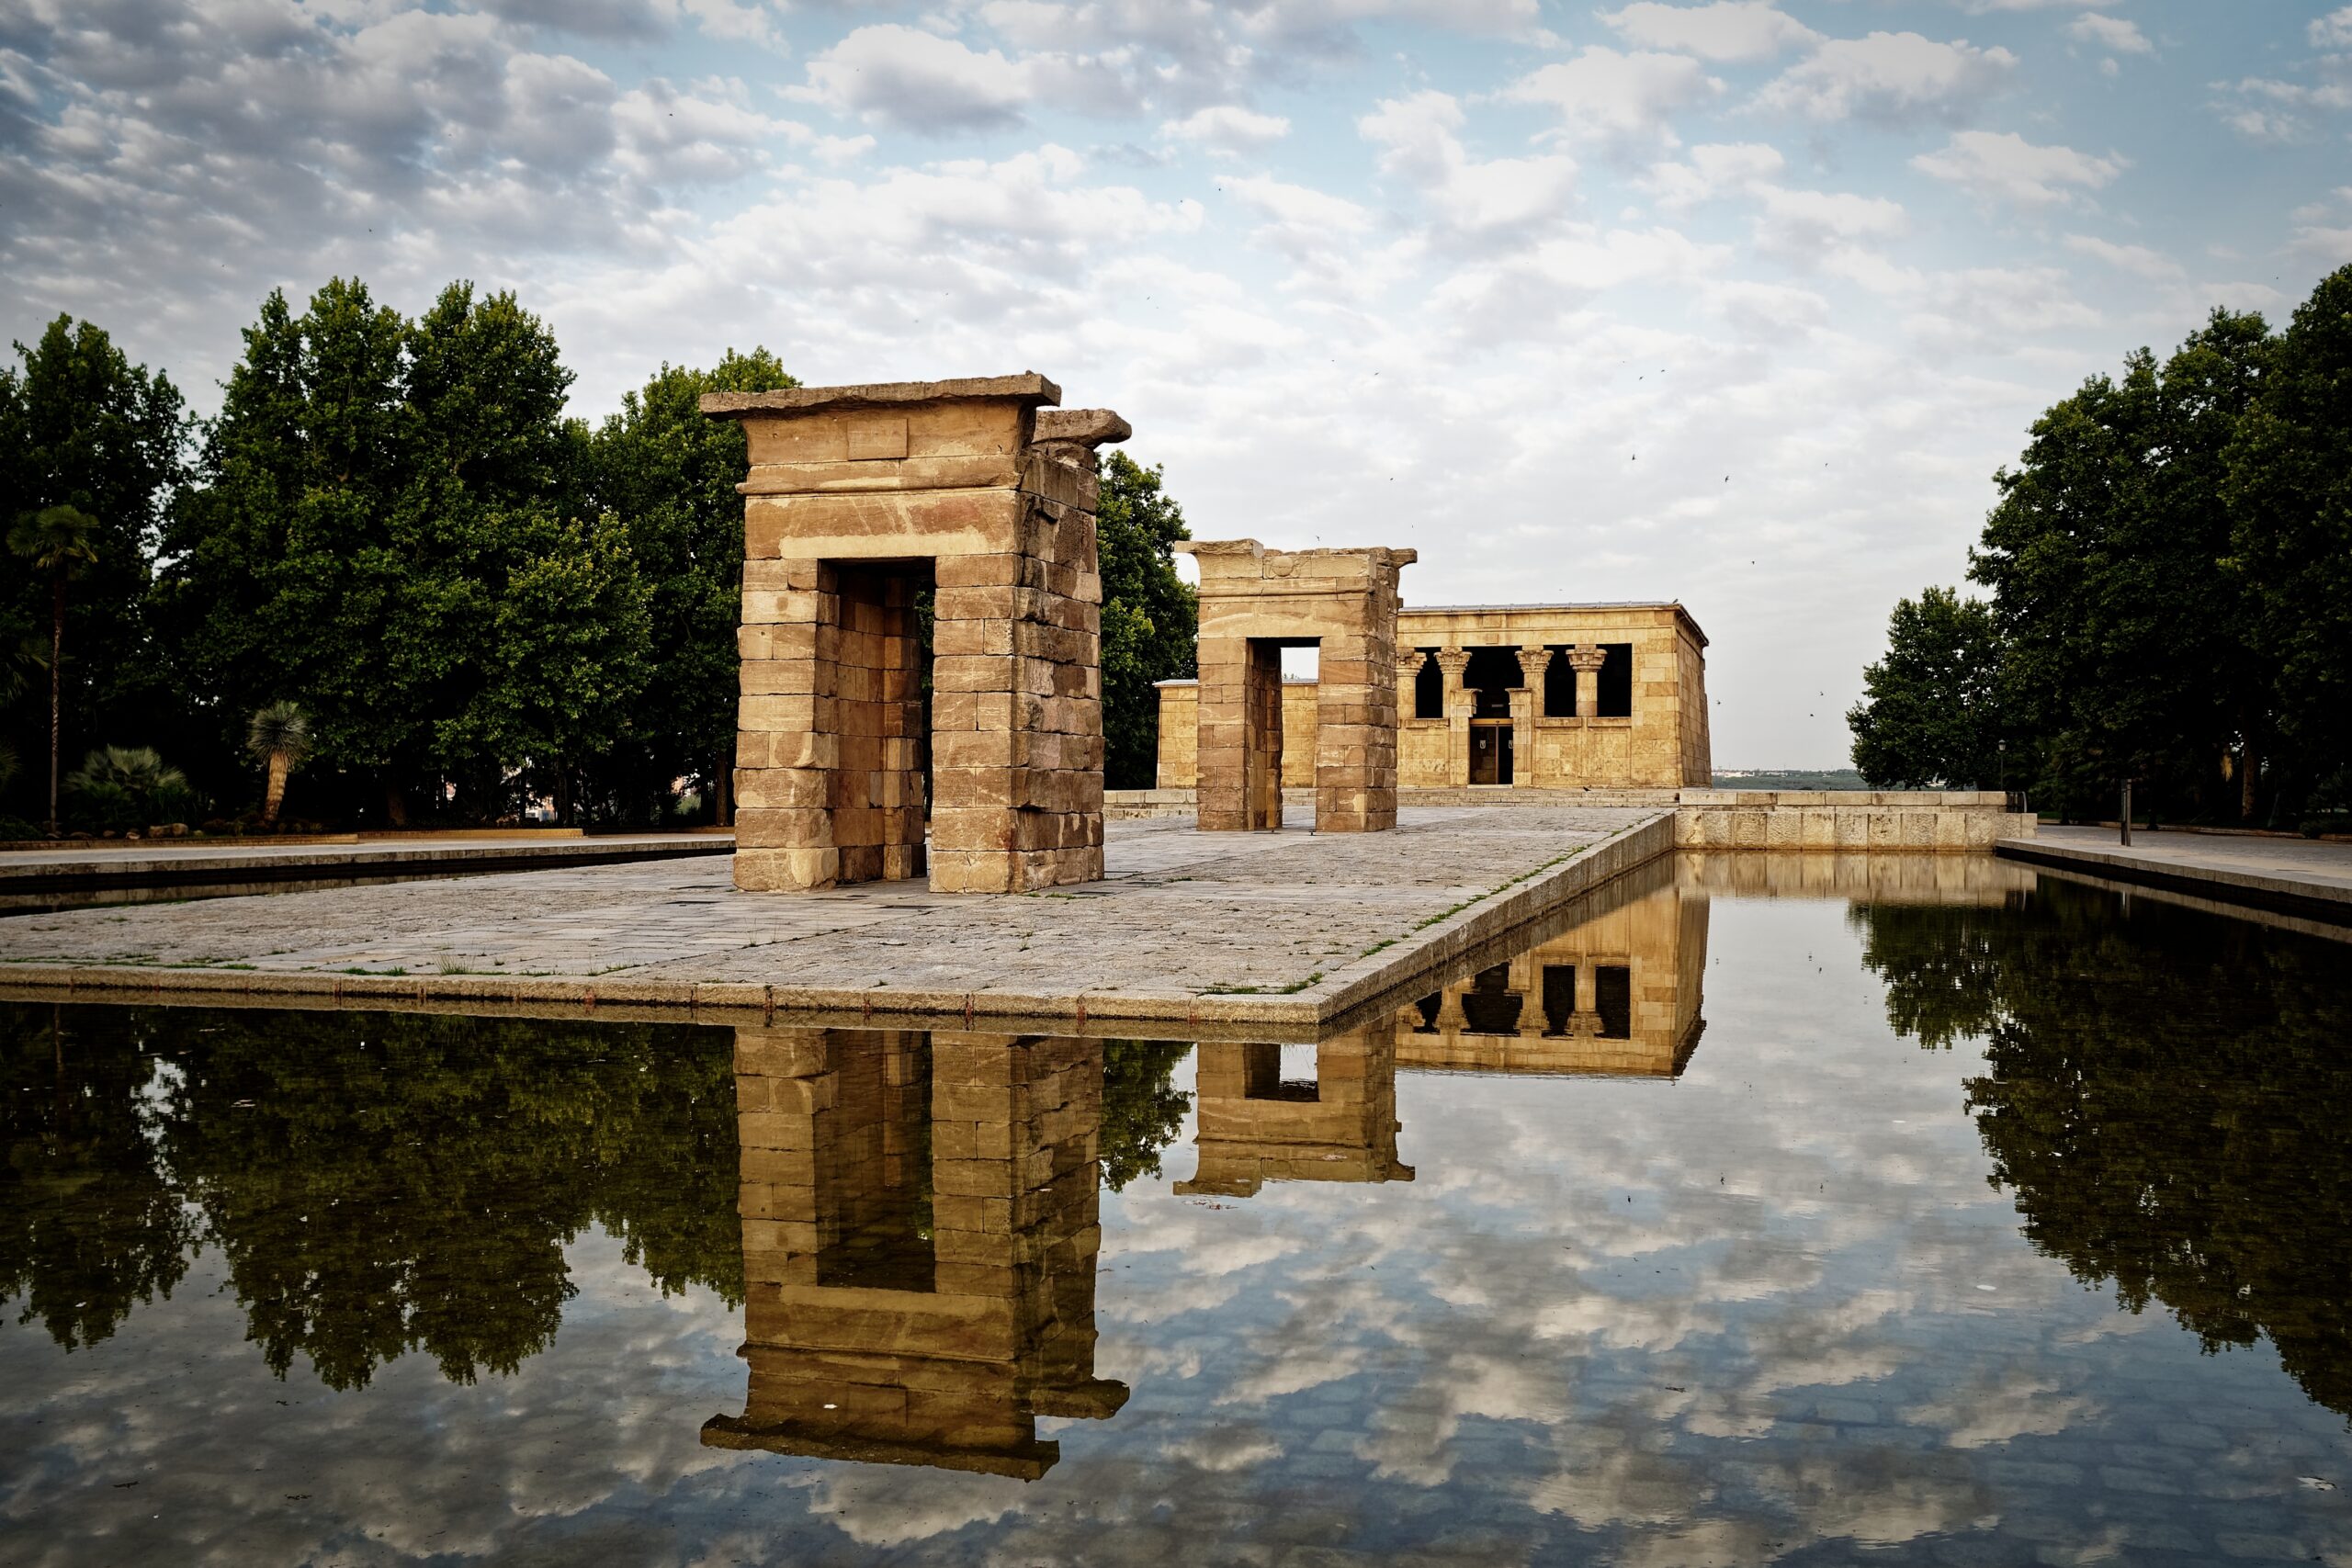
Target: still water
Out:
[1761,1211]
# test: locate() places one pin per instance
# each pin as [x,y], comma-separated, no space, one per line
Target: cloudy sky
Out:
[1739,304]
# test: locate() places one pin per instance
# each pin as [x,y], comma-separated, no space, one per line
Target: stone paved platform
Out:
[2298,876]
[1276,927]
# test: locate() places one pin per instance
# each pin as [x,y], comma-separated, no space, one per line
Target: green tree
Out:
[81,426]
[2289,488]
[2104,550]
[58,544]
[567,650]
[1150,616]
[294,557]
[669,475]
[278,738]
[393,524]
[1930,717]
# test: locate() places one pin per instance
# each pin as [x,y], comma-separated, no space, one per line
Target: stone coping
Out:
[1028,386]
[2314,880]
[1589,854]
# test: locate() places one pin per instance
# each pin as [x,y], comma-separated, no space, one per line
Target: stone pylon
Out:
[1254,602]
[862,503]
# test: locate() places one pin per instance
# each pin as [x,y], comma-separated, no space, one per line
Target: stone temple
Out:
[1516,696]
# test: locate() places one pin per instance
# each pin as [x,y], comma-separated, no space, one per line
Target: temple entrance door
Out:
[1490,752]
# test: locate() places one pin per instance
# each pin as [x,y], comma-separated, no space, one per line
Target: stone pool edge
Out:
[1347,991]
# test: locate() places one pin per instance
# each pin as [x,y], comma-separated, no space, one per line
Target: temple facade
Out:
[1521,696]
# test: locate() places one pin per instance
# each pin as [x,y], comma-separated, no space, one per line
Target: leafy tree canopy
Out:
[1929,719]
[1150,616]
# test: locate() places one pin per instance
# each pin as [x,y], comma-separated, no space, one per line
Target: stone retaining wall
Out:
[1915,820]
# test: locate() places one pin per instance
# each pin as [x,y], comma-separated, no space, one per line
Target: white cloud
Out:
[1604,93]
[2331,31]
[1725,30]
[1419,144]
[2263,108]
[1804,225]
[1893,78]
[907,77]
[2154,265]
[2004,166]
[2119,35]
[1713,169]
[1227,127]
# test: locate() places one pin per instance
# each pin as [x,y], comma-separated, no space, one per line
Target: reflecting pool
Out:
[1754,1210]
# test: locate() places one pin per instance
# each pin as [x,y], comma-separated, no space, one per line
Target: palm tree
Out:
[278,738]
[62,542]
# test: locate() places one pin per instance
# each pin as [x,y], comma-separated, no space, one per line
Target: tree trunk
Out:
[722,791]
[2248,772]
[56,687]
[274,795]
[395,805]
[563,806]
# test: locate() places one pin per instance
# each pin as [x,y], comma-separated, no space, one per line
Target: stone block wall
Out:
[858,499]
[1936,821]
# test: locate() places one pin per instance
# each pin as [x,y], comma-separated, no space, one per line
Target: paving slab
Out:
[2300,876]
[1277,926]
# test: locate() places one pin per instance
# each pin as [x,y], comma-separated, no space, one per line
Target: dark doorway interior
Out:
[1613,998]
[873,1166]
[1491,674]
[1559,998]
[1490,752]
[1616,682]
[1490,1006]
[1428,688]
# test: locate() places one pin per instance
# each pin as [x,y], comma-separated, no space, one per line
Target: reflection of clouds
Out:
[1293,1372]
[1237,1447]
[1996,1407]
[895,1505]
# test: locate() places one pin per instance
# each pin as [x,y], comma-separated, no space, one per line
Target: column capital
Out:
[1586,659]
[1453,661]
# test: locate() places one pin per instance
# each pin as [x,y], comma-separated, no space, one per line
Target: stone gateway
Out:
[862,502]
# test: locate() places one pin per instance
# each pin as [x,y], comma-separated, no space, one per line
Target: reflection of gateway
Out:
[1256,1127]
[920,1231]
[1618,993]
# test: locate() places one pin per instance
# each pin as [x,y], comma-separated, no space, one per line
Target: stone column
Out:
[1526,702]
[1587,662]
[1459,704]
[1409,679]
[1355,704]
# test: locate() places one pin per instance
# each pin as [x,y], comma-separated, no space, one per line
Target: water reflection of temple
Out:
[1257,1125]
[920,1231]
[1616,993]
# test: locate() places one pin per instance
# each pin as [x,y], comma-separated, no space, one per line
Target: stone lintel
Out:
[1027,387]
[1082,427]
[1285,563]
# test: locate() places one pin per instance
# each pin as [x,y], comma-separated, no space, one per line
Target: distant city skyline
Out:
[1739,304]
